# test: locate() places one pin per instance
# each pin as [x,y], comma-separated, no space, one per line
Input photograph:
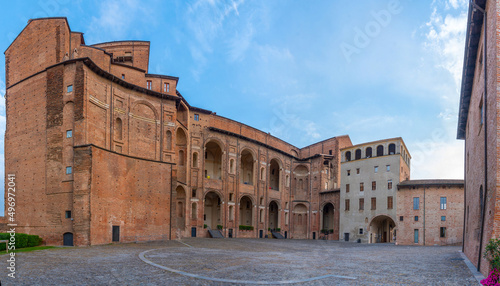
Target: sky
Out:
[304,71]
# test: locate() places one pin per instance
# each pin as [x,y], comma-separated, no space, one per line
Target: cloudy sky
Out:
[302,70]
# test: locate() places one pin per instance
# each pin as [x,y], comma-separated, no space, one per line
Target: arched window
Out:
[358,154]
[368,152]
[181,158]
[392,149]
[169,140]
[348,156]
[262,173]
[287,181]
[180,209]
[119,129]
[246,168]
[274,175]
[213,161]
[195,160]
[380,150]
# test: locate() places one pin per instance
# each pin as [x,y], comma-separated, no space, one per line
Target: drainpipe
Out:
[485,121]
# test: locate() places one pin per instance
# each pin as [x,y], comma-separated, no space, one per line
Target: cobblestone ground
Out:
[241,262]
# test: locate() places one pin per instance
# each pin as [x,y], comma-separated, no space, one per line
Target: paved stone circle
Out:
[201,261]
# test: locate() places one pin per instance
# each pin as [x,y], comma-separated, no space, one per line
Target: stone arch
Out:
[148,104]
[180,207]
[213,160]
[294,153]
[212,206]
[274,174]
[368,152]
[273,214]
[300,221]
[357,154]
[301,179]
[180,137]
[246,210]
[392,149]
[381,228]
[348,156]
[247,160]
[328,218]
[143,131]
[380,150]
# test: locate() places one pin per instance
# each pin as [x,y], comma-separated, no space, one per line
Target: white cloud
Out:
[442,156]
[116,19]
[205,19]
[240,43]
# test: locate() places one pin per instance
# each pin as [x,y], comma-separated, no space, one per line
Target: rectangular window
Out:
[164,87]
[69,133]
[196,117]
[193,193]
[388,167]
[361,187]
[416,202]
[330,152]
[149,84]
[401,218]
[69,88]
[168,87]
[443,203]
[357,171]
[68,170]
[360,231]
[348,172]
[389,184]
[347,188]
[442,232]
[374,203]
[230,196]
[389,203]
[443,218]
[68,214]
[374,186]
[416,218]
[123,76]
[361,204]
[376,169]
[347,205]
[415,235]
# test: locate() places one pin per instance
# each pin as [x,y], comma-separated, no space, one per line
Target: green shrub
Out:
[278,229]
[246,227]
[22,240]
[219,227]
[34,240]
[492,253]
[205,226]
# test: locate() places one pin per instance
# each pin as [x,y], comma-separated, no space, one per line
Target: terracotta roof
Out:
[431,182]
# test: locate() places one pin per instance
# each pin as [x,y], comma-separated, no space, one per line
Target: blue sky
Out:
[302,70]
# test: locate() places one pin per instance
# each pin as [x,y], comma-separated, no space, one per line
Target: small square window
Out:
[69,133]
[68,214]
[69,170]
[443,218]
[400,218]
[70,88]
[348,172]
[123,76]
[196,117]
[357,171]
[416,218]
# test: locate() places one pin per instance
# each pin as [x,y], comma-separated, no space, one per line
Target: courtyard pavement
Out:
[204,261]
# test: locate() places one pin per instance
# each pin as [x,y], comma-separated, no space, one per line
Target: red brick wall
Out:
[131,193]
[454,214]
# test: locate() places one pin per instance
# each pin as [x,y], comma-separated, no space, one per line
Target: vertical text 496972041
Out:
[11,213]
